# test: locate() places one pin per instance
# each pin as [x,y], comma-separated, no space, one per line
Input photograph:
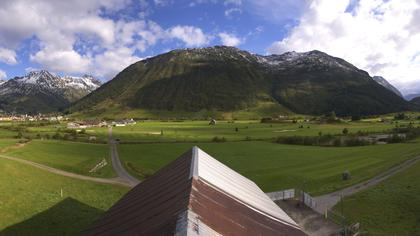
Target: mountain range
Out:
[227,79]
[411,96]
[42,91]
[382,81]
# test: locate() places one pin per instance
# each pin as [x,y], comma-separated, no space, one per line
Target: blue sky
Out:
[101,37]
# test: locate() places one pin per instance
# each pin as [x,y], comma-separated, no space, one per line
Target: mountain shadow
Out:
[67,217]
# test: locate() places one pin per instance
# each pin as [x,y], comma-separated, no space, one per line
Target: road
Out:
[118,180]
[329,200]
[116,163]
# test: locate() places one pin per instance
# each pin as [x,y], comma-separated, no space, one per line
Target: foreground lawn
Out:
[275,166]
[75,157]
[31,203]
[390,208]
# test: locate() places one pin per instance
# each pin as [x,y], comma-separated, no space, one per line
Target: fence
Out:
[308,200]
[282,195]
[99,166]
[349,229]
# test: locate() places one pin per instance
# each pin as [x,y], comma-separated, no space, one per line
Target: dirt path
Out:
[328,201]
[116,163]
[69,174]
[16,146]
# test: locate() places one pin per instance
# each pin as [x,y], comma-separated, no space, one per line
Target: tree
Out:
[345,131]
[400,116]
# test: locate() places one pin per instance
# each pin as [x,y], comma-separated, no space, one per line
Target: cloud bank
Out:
[79,36]
[379,36]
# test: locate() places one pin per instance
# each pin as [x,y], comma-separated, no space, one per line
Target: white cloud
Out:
[67,61]
[191,36]
[76,37]
[231,11]
[111,62]
[233,2]
[229,39]
[3,75]
[8,56]
[380,36]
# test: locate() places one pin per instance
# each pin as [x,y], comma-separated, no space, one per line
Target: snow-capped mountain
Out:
[382,81]
[228,79]
[42,91]
[47,80]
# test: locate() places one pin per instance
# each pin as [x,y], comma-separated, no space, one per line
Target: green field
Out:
[275,166]
[390,208]
[147,146]
[201,131]
[7,143]
[75,157]
[194,131]
[31,202]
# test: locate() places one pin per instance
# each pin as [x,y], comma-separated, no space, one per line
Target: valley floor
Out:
[29,196]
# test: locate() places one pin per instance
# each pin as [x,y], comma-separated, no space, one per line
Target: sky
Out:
[102,37]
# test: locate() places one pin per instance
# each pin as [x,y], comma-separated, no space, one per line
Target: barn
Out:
[195,195]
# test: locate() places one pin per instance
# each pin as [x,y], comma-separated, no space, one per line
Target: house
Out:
[124,122]
[86,124]
[195,195]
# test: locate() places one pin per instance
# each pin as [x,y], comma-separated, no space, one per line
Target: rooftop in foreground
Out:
[195,195]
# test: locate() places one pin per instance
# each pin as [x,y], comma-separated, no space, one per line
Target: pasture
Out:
[31,201]
[77,157]
[201,131]
[276,166]
[390,208]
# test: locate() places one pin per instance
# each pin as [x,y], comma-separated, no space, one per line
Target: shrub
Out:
[400,116]
[216,139]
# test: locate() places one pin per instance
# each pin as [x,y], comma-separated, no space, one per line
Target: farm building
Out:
[85,124]
[195,195]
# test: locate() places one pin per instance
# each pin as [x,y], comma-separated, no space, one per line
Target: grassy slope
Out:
[113,111]
[390,208]
[70,156]
[275,166]
[26,191]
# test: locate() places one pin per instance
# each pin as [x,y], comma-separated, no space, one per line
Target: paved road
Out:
[116,163]
[118,180]
[327,201]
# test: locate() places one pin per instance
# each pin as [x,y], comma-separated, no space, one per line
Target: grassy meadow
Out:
[31,201]
[277,166]
[201,131]
[390,208]
[77,157]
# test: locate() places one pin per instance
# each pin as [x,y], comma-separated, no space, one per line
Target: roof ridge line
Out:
[194,162]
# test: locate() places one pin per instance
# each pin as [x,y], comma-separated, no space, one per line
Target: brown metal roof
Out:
[228,216]
[151,208]
[175,201]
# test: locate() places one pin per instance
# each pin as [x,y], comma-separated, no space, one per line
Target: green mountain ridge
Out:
[226,79]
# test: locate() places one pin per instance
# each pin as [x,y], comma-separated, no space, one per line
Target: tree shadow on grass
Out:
[67,217]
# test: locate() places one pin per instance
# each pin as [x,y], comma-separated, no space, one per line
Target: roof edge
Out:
[194,162]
